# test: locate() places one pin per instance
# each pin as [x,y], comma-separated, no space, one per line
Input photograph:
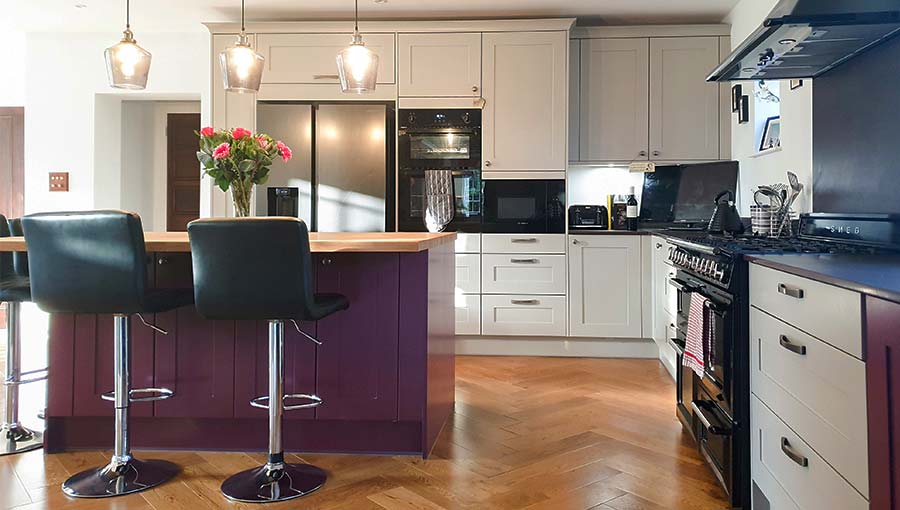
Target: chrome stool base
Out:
[271,483]
[118,479]
[19,439]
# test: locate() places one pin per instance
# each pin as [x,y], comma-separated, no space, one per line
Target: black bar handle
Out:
[791,346]
[792,454]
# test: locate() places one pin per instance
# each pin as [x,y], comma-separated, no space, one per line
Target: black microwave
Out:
[514,206]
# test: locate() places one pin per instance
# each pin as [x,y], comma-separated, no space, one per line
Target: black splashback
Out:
[856,134]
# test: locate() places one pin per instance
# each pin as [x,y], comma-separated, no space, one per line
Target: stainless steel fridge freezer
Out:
[344,168]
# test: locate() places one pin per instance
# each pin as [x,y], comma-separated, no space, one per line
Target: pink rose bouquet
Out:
[238,160]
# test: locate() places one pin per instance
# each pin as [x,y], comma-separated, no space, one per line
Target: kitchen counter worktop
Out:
[319,242]
[875,275]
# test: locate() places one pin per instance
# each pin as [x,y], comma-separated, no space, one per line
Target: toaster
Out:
[588,217]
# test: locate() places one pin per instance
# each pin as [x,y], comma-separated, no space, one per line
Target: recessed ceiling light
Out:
[80,6]
[381,1]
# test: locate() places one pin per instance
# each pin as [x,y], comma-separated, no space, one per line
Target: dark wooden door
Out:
[357,362]
[883,387]
[12,161]
[183,204]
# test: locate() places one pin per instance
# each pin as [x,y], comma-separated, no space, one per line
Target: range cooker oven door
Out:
[714,430]
[684,386]
[720,324]
[467,197]
[524,206]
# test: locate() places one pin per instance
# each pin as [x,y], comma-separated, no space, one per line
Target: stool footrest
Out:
[153,394]
[312,401]
[44,373]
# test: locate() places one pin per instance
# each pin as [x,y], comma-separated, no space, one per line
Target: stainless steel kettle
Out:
[725,218]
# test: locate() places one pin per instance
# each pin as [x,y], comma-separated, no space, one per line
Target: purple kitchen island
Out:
[385,369]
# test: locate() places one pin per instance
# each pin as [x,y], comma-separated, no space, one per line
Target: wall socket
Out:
[59,181]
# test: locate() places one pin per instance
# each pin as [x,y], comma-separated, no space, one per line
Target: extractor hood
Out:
[807,38]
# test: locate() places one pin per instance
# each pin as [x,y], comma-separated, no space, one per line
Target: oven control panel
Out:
[710,267]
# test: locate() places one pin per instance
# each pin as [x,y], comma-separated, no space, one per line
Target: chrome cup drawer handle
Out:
[524,261]
[524,240]
[791,346]
[525,301]
[792,454]
[794,292]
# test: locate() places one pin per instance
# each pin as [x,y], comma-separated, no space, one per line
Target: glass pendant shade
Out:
[357,67]
[242,67]
[127,64]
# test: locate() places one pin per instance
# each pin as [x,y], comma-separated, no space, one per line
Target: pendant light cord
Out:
[356,16]
[128,14]
[243,28]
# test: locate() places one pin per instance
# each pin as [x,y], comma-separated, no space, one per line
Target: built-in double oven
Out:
[443,140]
[706,404]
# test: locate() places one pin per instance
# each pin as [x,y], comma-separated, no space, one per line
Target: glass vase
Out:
[242,195]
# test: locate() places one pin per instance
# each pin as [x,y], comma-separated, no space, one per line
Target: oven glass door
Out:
[714,431]
[439,146]
[467,197]
[719,325]
[524,206]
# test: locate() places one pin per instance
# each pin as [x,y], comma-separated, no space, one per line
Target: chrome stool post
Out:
[16,438]
[124,474]
[276,480]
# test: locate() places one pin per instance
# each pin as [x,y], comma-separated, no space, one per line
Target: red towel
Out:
[696,335]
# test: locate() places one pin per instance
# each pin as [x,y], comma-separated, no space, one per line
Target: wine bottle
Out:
[632,211]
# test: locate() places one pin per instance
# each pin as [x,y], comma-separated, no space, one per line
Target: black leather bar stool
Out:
[261,269]
[95,262]
[15,290]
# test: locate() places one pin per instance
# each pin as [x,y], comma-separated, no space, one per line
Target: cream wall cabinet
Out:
[684,108]
[310,58]
[439,65]
[525,102]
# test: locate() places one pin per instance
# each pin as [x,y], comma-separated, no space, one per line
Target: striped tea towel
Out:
[696,335]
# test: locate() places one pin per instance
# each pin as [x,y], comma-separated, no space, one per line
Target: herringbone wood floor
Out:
[528,433]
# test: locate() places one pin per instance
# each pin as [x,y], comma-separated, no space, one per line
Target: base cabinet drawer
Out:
[523,274]
[523,243]
[829,313]
[815,388]
[467,243]
[522,315]
[468,273]
[468,314]
[786,468]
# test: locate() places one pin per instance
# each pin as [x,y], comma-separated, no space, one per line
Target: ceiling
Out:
[186,15]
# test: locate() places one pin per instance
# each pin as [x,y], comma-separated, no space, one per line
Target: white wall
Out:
[796,124]
[12,68]
[72,113]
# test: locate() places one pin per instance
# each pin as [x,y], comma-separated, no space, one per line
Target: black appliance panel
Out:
[714,430]
[685,193]
[467,197]
[524,206]
[284,202]
[440,139]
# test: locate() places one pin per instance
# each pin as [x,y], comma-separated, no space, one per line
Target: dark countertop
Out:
[575,232]
[875,275]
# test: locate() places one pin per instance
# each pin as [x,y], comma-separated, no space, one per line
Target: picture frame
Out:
[771,137]
[796,84]
[744,110]
[736,92]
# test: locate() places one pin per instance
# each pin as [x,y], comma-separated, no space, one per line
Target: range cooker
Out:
[715,408]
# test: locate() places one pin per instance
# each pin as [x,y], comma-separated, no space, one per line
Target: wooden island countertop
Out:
[319,242]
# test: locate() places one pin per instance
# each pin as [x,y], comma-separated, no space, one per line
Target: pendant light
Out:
[242,67]
[127,64]
[357,65]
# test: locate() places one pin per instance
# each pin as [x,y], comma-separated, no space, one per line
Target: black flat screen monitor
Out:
[684,194]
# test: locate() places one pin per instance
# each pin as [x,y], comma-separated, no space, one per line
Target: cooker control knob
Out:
[465,118]
[412,118]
